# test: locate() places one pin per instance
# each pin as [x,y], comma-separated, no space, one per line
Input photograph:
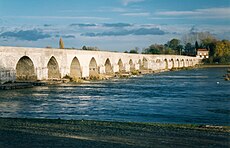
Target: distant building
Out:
[202,53]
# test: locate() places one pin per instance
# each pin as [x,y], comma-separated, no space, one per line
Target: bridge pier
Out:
[7,75]
[85,71]
[127,68]
[42,73]
[115,68]
[136,67]
[102,69]
[170,64]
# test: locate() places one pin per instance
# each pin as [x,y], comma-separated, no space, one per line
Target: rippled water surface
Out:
[194,96]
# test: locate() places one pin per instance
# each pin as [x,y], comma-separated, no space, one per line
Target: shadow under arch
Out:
[166,64]
[53,69]
[183,63]
[25,69]
[173,63]
[93,68]
[121,66]
[75,68]
[132,66]
[108,67]
[178,63]
[145,63]
[140,64]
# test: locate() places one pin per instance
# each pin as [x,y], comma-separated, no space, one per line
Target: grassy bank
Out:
[82,133]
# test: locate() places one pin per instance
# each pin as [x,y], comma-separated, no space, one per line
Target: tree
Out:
[133,51]
[90,48]
[61,44]
[188,49]
[209,43]
[192,37]
[196,45]
[84,48]
[154,49]
[174,44]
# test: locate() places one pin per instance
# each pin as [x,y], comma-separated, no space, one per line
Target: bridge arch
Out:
[183,63]
[187,63]
[145,63]
[166,65]
[158,61]
[108,67]
[140,64]
[25,69]
[93,68]
[53,69]
[121,66]
[75,68]
[178,63]
[132,66]
[173,63]
[191,62]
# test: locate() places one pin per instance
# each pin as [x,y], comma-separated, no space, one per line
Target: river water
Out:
[198,96]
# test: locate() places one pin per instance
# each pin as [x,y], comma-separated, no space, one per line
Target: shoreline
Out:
[24,132]
[214,66]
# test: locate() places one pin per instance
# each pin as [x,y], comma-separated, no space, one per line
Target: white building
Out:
[202,53]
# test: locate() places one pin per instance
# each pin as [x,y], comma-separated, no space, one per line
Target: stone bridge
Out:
[22,63]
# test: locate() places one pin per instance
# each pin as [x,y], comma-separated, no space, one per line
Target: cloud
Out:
[60,17]
[112,25]
[65,36]
[117,25]
[84,25]
[29,35]
[47,25]
[199,13]
[123,32]
[127,2]
[136,14]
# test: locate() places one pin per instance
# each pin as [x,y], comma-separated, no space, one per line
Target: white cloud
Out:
[177,13]
[136,14]
[127,2]
[199,13]
[121,43]
[61,17]
[165,18]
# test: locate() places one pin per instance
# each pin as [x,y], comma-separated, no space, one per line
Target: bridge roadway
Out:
[22,63]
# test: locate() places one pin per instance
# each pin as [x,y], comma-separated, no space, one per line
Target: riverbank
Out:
[214,65]
[18,132]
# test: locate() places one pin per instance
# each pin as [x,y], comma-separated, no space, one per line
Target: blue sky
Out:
[115,25]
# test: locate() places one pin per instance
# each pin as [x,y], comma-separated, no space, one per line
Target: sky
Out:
[114,25]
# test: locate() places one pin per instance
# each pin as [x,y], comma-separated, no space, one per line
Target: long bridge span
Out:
[22,63]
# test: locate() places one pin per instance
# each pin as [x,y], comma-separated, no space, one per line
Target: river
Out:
[199,96]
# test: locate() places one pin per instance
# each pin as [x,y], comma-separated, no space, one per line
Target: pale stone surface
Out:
[9,57]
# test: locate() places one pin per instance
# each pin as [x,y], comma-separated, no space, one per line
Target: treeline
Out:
[219,50]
